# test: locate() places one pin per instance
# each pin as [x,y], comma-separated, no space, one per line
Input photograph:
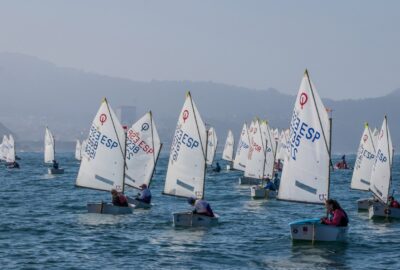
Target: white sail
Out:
[269,142]
[212,142]
[282,151]
[142,149]
[187,160]
[305,175]
[256,154]
[276,135]
[78,149]
[227,154]
[381,174]
[242,150]
[102,165]
[364,161]
[11,149]
[83,147]
[4,148]
[49,146]
[375,135]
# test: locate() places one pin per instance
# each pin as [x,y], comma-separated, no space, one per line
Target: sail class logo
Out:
[365,138]
[303,99]
[185,115]
[145,127]
[103,118]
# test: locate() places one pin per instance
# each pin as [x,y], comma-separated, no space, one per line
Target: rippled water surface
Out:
[44,225]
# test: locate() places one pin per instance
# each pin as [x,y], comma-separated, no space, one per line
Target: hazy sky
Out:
[352,48]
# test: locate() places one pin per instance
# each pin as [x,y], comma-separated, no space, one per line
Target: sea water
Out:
[44,224]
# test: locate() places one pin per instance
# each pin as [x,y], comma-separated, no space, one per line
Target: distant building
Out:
[126,115]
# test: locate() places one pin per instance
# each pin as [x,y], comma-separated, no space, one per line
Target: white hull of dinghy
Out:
[379,210]
[108,208]
[363,204]
[228,167]
[138,204]
[188,219]
[249,181]
[55,171]
[258,192]
[313,230]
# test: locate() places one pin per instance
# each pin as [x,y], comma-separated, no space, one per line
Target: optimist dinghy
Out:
[49,152]
[227,154]
[259,192]
[187,164]
[363,166]
[143,147]
[242,150]
[381,176]
[306,173]
[212,142]
[103,160]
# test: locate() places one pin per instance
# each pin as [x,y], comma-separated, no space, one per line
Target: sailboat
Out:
[254,171]
[381,176]
[103,160]
[306,173]
[78,149]
[143,147]
[258,191]
[363,166]
[282,151]
[10,153]
[187,164]
[242,150]
[227,154]
[212,142]
[4,148]
[49,152]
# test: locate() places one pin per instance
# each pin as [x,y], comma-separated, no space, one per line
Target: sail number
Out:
[300,130]
[380,156]
[96,138]
[182,139]
[135,143]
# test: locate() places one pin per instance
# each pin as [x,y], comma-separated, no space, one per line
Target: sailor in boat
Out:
[201,207]
[118,199]
[336,216]
[217,168]
[278,165]
[55,164]
[393,203]
[277,181]
[269,185]
[342,165]
[144,195]
[13,165]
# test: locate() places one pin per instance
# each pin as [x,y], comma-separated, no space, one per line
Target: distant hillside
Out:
[37,93]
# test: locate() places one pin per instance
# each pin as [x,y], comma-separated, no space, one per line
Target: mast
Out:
[319,117]
[390,158]
[155,159]
[330,161]
[123,151]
